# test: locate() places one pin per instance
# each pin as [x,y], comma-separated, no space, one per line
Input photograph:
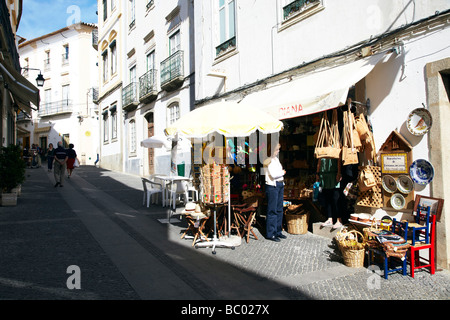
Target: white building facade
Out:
[67,113]
[259,51]
[153,84]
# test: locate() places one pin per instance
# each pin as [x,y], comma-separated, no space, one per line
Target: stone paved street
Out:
[127,251]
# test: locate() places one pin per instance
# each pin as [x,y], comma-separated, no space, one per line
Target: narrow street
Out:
[125,251]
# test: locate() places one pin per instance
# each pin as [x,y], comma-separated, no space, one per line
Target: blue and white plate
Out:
[421,171]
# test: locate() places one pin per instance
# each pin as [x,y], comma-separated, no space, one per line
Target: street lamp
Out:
[40,78]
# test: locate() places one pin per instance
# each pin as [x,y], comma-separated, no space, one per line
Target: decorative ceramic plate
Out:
[398,201]
[405,184]
[419,121]
[389,184]
[421,171]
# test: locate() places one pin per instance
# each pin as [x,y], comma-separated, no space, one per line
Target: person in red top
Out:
[71,156]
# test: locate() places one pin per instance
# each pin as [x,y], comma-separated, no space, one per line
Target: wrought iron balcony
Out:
[226,46]
[65,59]
[296,6]
[130,97]
[172,71]
[21,116]
[56,107]
[147,86]
[47,64]
[95,95]
[95,39]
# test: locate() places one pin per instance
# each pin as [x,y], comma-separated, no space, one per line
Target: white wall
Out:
[265,48]
[80,73]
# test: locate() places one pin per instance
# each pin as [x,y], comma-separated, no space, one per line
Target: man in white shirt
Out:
[274,192]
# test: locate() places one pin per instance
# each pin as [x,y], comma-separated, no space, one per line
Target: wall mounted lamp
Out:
[40,78]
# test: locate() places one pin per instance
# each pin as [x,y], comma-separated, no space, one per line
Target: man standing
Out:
[60,164]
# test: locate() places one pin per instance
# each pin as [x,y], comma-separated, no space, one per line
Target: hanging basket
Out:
[297,223]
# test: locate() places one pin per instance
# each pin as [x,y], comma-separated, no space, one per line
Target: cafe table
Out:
[165,180]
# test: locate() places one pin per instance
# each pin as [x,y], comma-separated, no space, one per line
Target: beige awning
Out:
[317,91]
[22,90]
[42,130]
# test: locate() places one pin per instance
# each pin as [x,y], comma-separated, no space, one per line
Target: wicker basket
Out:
[352,246]
[297,223]
[353,258]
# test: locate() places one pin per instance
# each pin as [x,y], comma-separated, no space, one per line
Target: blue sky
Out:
[40,17]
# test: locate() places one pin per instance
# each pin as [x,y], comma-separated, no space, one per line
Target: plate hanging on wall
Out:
[405,184]
[398,201]
[389,184]
[421,171]
[419,121]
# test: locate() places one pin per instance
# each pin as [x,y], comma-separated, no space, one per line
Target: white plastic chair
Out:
[177,188]
[191,189]
[150,188]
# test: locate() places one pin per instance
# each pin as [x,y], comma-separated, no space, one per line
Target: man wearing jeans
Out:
[274,192]
[60,164]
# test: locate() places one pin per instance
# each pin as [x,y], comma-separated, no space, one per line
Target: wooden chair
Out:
[244,217]
[196,226]
[399,228]
[428,243]
[418,229]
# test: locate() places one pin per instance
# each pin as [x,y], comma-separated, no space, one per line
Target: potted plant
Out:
[12,173]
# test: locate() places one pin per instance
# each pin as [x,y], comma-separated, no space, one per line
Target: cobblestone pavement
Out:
[127,251]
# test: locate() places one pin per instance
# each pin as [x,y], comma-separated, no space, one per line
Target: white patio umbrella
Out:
[157,141]
[231,119]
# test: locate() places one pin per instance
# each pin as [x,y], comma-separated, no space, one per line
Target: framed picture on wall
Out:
[436,205]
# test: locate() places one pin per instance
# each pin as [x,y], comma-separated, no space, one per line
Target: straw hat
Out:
[189,208]
[195,210]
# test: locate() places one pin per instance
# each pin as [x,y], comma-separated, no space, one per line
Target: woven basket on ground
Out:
[352,245]
[297,223]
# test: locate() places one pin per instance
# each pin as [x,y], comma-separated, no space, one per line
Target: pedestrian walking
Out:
[274,173]
[60,164]
[72,156]
[50,156]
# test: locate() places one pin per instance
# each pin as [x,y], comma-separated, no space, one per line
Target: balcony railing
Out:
[226,46]
[95,39]
[95,95]
[172,71]
[296,6]
[130,96]
[65,59]
[56,107]
[21,116]
[147,86]
[46,64]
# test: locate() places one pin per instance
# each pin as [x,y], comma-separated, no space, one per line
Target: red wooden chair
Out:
[429,243]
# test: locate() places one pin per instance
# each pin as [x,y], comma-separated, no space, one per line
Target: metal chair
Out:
[150,188]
